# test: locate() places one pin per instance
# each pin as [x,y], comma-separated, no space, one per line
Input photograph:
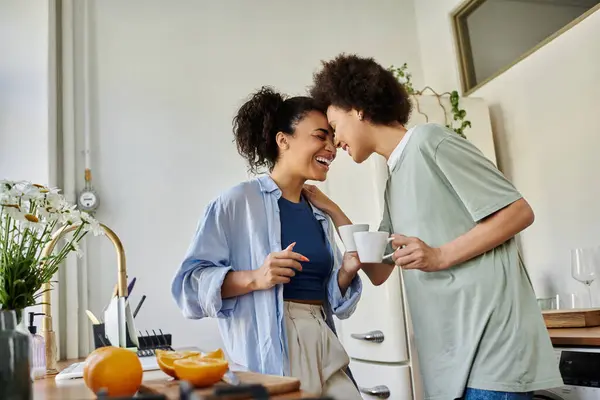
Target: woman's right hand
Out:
[278,268]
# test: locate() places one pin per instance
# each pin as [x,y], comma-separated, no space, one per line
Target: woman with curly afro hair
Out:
[478,329]
[264,260]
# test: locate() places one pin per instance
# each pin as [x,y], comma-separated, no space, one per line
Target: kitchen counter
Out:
[575,336]
[49,389]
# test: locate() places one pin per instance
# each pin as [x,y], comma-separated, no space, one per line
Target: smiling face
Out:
[309,152]
[351,133]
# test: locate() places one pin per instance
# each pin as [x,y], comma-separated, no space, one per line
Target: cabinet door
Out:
[376,331]
[376,381]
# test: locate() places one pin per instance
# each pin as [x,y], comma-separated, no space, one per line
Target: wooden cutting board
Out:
[275,385]
[576,318]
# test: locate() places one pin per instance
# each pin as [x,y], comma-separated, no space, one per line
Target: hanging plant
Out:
[458,123]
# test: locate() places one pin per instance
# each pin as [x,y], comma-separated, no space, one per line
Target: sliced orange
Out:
[218,354]
[166,358]
[200,371]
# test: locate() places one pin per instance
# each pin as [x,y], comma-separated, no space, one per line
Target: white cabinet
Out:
[380,381]
[375,331]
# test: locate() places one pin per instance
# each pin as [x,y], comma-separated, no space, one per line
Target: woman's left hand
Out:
[348,271]
[351,263]
[318,198]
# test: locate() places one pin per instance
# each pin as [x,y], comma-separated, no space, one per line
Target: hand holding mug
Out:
[413,253]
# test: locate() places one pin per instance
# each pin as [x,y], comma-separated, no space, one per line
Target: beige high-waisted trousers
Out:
[317,357]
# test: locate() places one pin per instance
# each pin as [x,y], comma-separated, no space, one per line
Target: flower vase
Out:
[15,379]
[21,322]
[22,328]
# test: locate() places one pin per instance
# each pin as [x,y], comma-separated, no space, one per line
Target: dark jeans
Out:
[477,394]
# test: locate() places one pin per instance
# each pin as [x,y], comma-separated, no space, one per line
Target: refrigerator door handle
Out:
[373,336]
[379,391]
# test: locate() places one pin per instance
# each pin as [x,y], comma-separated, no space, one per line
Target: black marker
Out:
[137,309]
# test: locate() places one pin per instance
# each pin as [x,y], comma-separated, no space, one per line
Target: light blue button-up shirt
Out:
[237,232]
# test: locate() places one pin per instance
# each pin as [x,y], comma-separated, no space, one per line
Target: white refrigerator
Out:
[378,337]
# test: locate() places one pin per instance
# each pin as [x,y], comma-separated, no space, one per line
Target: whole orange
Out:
[115,369]
[90,359]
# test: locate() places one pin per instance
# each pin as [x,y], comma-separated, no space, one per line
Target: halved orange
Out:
[166,358]
[200,371]
[218,354]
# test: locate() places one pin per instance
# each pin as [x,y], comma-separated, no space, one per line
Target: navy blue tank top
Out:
[298,224]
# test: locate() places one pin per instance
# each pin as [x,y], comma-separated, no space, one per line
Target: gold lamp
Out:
[47,331]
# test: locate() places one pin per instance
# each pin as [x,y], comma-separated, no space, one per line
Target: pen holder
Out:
[100,339]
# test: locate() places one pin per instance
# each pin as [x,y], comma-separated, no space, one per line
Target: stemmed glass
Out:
[584,264]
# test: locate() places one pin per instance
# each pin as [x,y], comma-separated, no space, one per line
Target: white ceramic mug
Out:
[371,246]
[347,234]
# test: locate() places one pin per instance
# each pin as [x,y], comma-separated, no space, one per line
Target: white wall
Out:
[502,31]
[166,80]
[544,113]
[24,81]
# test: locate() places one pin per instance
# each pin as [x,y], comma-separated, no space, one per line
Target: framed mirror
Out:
[493,35]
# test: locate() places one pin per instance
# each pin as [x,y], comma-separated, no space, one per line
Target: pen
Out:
[130,287]
[137,309]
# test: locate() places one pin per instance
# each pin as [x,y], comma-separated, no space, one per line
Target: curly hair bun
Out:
[254,125]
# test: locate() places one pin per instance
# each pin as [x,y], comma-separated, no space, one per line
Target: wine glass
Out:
[584,264]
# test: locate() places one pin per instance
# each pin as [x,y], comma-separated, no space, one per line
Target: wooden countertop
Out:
[49,389]
[575,336]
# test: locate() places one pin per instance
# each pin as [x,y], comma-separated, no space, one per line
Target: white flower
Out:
[13,211]
[91,224]
[76,248]
[31,192]
[32,222]
[51,205]
[48,214]
[27,209]
[69,214]
[5,186]
[7,198]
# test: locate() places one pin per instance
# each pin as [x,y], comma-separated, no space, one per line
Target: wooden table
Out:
[575,336]
[49,389]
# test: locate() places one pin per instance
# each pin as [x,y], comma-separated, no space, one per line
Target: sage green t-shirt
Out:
[476,324]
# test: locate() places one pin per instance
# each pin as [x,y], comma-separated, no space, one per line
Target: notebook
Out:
[75,370]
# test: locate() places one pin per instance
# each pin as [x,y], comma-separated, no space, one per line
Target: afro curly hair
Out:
[353,82]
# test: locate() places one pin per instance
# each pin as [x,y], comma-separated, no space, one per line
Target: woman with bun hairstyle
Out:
[264,260]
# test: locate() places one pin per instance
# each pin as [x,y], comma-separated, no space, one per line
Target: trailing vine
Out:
[458,123]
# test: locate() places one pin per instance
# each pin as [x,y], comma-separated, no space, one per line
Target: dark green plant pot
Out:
[18,315]
[15,378]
